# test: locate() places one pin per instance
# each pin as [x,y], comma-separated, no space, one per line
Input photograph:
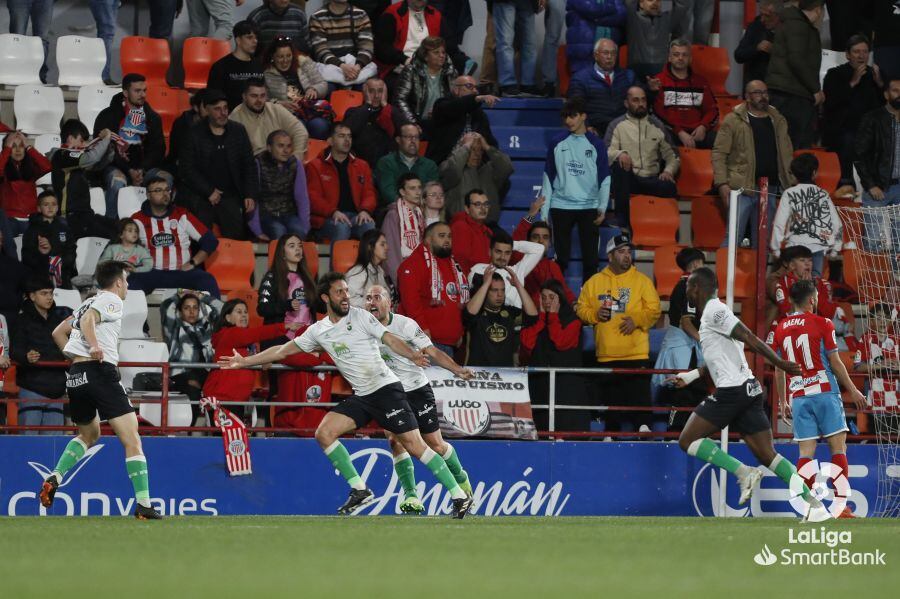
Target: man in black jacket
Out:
[31,341]
[455,116]
[219,180]
[373,124]
[139,143]
[181,127]
[755,48]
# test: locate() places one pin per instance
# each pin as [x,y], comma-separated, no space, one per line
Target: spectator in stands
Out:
[554,340]
[538,231]
[187,319]
[622,305]
[475,164]
[471,236]
[126,247]
[182,126]
[755,48]
[219,178]
[502,247]
[341,191]
[40,13]
[806,215]
[456,19]
[684,100]
[851,90]
[460,114]
[139,148]
[554,19]
[220,11]
[372,124]
[404,223]
[681,346]
[426,79]
[793,76]
[405,160]
[575,190]
[514,22]
[294,82]
[879,355]
[279,19]
[8,239]
[369,268]
[886,33]
[491,320]
[14,275]
[696,22]
[603,86]
[640,158]
[587,22]
[878,161]
[434,288]
[341,39]
[283,201]
[162,18]
[434,209]
[47,247]
[168,231]
[20,168]
[752,142]
[374,8]
[31,341]
[105,13]
[648,30]
[229,73]
[288,291]
[261,117]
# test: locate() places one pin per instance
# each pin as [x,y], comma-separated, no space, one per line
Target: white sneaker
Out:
[747,484]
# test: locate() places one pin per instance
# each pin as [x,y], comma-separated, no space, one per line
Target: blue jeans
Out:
[511,19]
[105,12]
[162,17]
[276,226]
[748,215]
[447,349]
[554,17]
[882,236]
[818,263]
[40,12]
[35,411]
[318,128]
[114,180]
[184,279]
[339,231]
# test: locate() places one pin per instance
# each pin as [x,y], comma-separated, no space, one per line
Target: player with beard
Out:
[418,393]
[351,337]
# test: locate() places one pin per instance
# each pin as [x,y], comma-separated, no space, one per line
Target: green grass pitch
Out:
[259,556]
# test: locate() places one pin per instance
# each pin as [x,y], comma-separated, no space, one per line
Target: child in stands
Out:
[126,247]
[47,247]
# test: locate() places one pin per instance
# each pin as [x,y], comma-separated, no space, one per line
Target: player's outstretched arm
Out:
[447,363]
[757,346]
[843,377]
[61,333]
[273,354]
[400,347]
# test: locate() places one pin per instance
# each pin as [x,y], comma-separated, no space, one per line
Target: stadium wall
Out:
[291,476]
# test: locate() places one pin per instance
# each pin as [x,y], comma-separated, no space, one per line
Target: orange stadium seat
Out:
[314,147]
[744,272]
[310,254]
[343,254]
[147,56]
[343,99]
[666,270]
[654,221]
[423,147]
[232,264]
[707,222]
[829,169]
[168,103]
[251,297]
[199,54]
[623,56]
[878,284]
[712,63]
[562,70]
[725,105]
[696,175]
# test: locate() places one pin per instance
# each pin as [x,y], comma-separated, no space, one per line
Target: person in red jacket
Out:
[471,236]
[341,191]
[434,288]
[233,333]
[20,167]
[538,231]
[684,100]
[303,386]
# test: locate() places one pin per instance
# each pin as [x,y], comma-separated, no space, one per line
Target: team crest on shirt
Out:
[340,349]
[314,393]
[497,333]
[173,224]
[113,308]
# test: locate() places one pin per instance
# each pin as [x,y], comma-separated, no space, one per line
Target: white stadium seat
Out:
[830,59]
[87,254]
[91,100]
[39,108]
[70,298]
[98,201]
[21,57]
[44,144]
[135,315]
[133,350]
[80,60]
[130,200]
[18,239]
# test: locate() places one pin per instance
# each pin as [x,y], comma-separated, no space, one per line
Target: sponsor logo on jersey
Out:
[76,380]
[162,240]
[340,349]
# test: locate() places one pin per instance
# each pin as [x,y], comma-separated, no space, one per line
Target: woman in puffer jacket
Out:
[293,81]
[586,22]
[423,81]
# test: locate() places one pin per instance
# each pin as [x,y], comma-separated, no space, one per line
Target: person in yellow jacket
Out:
[622,304]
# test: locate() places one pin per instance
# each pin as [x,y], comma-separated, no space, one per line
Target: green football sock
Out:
[140,478]
[452,459]
[438,467]
[340,459]
[406,472]
[784,470]
[73,452]
[708,451]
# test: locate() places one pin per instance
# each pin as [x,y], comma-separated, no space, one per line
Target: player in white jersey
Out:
[418,393]
[739,397]
[351,337]
[90,338]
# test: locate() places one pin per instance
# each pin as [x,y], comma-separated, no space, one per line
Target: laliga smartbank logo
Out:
[819,547]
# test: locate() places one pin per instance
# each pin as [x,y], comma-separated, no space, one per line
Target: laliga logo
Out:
[820,490]
[765,557]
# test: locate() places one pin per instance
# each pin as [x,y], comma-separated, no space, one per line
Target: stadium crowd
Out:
[416,175]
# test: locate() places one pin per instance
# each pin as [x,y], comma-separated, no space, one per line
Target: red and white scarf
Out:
[234,437]
[437,283]
[412,226]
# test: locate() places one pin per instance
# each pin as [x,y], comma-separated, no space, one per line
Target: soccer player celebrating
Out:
[90,337]
[738,399]
[418,393]
[815,400]
[351,337]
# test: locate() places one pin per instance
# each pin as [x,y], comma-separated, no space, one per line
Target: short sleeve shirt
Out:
[411,376]
[724,356]
[110,308]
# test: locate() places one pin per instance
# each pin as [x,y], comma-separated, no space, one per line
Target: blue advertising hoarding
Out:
[292,476]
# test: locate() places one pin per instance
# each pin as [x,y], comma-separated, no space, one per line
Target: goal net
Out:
[871,267]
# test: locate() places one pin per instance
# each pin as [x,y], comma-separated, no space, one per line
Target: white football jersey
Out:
[724,356]
[110,308]
[353,343]
[411,376]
